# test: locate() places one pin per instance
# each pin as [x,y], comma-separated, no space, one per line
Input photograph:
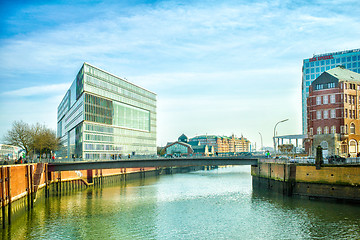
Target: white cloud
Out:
[38,90]
[217,68]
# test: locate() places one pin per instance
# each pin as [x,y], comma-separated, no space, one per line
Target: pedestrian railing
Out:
[310,160]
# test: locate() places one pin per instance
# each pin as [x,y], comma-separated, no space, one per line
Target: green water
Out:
[216,204]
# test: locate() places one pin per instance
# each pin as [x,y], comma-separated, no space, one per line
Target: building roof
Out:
[194,143]
[183,138]
[180,143]
[122,79]
[342,73]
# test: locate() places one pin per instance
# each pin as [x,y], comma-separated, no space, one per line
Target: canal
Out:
[215,204]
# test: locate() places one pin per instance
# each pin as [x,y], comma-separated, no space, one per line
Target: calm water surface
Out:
[216,204]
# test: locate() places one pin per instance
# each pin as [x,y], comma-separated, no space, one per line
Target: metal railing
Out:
[309,160]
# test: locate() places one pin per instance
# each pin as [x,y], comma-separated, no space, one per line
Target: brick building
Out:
[333,113]
[223,144]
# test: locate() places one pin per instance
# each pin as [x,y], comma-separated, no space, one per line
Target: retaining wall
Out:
[338,182]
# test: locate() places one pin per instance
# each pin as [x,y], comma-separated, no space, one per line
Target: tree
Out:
[20,135]
[32,138]
[45,140]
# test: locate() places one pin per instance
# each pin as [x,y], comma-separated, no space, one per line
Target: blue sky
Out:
[218,67]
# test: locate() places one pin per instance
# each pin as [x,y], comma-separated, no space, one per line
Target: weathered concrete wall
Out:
[336,182]
[275,171]
[338,175]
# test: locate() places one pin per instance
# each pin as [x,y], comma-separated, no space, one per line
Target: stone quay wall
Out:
[337,182]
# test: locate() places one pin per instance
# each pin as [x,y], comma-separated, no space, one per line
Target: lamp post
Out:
[275,132]
[261,142]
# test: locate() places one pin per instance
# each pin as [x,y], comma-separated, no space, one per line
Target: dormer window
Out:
[319,86]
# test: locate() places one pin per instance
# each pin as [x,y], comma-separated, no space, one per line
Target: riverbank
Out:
[333,182]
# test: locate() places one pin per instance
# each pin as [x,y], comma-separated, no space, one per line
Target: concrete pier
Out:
[336,182]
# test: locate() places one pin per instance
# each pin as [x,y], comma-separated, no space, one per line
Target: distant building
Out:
[333,113]
[178,149]
[183,147]
[102,117]
[222,144]
[9,152]
[202,150]
[313,67]
[183,138]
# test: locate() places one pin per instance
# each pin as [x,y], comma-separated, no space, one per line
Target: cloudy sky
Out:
[218,67]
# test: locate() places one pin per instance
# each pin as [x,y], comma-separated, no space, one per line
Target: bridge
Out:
[154,162]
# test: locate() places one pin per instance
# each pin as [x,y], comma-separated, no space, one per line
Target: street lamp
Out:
[261,142]
[275,132]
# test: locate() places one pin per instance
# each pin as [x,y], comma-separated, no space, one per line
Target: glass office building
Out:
[313,67]
[104,117]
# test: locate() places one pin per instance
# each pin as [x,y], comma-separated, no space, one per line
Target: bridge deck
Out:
[155,162]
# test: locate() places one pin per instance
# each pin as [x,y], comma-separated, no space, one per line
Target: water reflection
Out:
[217,204]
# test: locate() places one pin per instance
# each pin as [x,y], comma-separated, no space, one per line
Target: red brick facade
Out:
[333,113]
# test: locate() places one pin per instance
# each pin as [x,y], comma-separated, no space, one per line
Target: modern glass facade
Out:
[103,117]
[313,67]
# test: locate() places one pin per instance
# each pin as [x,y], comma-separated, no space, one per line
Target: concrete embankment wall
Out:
[340,182]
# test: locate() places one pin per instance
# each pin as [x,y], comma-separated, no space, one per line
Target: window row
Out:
[115,80]
[320,131]
[351,99]
[352,113]
[325,99]
[343,130]
[324,114]
[333,61]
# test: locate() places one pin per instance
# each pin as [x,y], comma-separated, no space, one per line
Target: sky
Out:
[217,67]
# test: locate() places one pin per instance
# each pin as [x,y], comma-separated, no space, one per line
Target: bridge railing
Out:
[309,160]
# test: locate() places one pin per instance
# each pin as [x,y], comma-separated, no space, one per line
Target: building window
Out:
[352,128]
[352,146]
[354,114]
[346,113]
[318,114]
[332,113]
[319,86]
[331,85]
[332,98]
[342,129]
[333,129]
[318,100]
[326,114]
[350,114]
[311,131]
[325,99]
[345,86]
[326,130]
[318,131]
[345,99]
[346,129]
